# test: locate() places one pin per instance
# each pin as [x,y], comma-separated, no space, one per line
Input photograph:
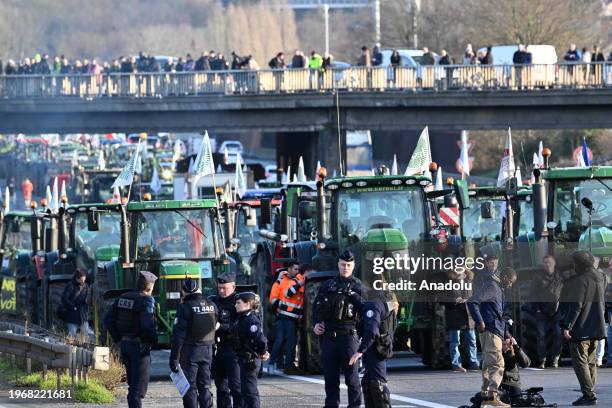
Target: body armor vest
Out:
[203,321]
[128,310]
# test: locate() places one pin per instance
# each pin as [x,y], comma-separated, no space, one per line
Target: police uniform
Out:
[338,306]
[193,336]
[251,344]
[225,368]
[378,325]
[131,321]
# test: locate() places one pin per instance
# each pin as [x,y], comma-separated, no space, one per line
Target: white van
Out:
[540,54]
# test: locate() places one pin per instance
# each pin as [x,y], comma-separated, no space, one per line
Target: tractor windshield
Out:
[480,225]
[21,239]
[361,210]
[173,234]
[109,233]
[571,215]
[526,221]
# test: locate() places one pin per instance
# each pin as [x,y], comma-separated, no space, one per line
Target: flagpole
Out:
[135,161]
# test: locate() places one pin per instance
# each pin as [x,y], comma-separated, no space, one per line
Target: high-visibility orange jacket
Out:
[287,295]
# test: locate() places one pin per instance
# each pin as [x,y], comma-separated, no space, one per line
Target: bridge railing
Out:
[421,78]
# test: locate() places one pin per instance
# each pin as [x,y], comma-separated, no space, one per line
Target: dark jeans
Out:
[583,361]
[248,384]
[548,328]
[137,366]
[286,329]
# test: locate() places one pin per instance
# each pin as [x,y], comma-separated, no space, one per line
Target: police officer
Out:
[225,369]
[131,321]
[252,347]
[336,310]
[193,336]
[377,328]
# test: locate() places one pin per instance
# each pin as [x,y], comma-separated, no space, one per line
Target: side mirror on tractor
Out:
[93,221]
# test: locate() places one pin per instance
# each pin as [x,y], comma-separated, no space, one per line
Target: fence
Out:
[420,78]
[52,353]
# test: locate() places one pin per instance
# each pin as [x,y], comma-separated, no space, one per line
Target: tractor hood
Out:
[107,253]
[601,241]
[385,239]
[178,269]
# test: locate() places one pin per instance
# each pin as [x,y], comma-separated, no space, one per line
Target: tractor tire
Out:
[440,355]
[527,323]
[56,289]
[311,343]
[100,306]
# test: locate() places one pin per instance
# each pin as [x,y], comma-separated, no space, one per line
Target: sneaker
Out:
[582,401]
[474,367]
[459,369]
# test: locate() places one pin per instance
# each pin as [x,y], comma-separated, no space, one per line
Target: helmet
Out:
[190,285]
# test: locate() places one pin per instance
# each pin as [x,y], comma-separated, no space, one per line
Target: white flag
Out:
[439,186]
[101,160]
[64,194]
[190,170]
[55,200]
[7,200]
[126,176]
[540,156]
[288,174]
[225,156]
[49,198]
[301,175]
[506,168]
[203,164]
[535,161]
[394,170]
[580,162]
[464,157]
[138,168]
[316,177]
[239,180]
[421,157]
[519,177]
[155,181]
[295,180]
[116,196]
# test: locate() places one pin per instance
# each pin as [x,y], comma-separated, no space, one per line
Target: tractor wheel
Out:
[526,320]
[56,289]
[100,306]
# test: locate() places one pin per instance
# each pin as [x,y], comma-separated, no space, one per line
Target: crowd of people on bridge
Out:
[44,64]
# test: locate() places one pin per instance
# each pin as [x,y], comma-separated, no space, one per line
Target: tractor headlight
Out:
[167,174]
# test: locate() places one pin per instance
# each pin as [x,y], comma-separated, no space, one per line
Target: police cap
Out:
[228,277]
[190,285]
[246,296]
[147,277]
[347,256]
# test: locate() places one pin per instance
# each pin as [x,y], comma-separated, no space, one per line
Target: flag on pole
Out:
[580,161]
[535,161]
[585,153]
[190,169]
[126,176]
[430,186]
[439,186]
[203,164]
[301,175]
[540,155]
[506,168]
[63,193]
[464,156]
[155,181]
[55,200]
[7,199]
[116,196]
[421,157]
[295,180]
[239,180]
[101,160]
[138,167]
[49,198]
[394,170]
[225,155]
[288,174]
[316,177]
[519,177]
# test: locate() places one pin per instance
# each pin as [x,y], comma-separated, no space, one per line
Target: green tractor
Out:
[172,239]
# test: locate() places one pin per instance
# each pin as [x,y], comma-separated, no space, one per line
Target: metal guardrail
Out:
[420,78]
[52,353]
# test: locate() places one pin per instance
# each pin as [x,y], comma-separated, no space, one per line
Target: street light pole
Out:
[416,7]
[377,21]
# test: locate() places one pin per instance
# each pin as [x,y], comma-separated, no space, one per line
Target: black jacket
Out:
[584,305]
[512,362]
[74,301]
[545,293]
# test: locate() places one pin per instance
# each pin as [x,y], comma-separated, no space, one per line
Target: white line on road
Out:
[396,397]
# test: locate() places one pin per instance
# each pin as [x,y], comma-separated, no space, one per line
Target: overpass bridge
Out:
[312,110]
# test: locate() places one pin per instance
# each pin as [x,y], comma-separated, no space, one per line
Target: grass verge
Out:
[92,392]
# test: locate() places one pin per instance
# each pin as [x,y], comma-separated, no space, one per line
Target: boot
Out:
[494,401]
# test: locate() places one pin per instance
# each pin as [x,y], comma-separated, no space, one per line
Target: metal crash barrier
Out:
[420,78]
[54,355]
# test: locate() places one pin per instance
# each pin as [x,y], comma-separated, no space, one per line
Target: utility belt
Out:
[248,358]
[340,332]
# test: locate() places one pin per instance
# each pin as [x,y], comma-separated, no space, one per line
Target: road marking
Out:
[396,397]
[533,369]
